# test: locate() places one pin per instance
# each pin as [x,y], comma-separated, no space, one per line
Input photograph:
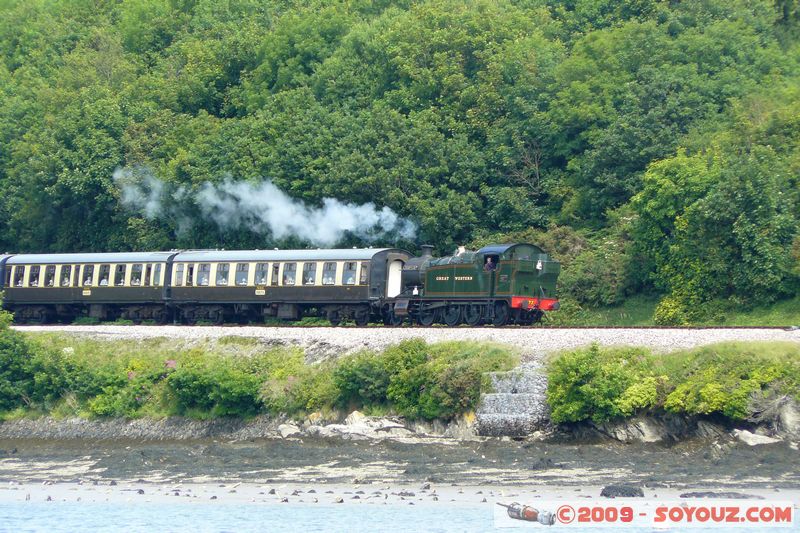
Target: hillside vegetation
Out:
[652,146]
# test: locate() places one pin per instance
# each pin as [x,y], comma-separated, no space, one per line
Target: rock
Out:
[709,430]
[622,491]
[789,419]
[751,439]
[140,491]
[354,418]
[544,463]
[289,430]
[725,495]
[462,428]
[271,491]
[637,429]
[338,500]
[426,486]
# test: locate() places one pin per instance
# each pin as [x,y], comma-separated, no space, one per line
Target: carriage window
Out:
[309,273]
[66,274]
[148,270]
[49,275]
[88,274]
[179,275]
[203,274]
[105,273]
[329,274]
[362,279]
[242,270]
[7,281]
[157,275]
[76,276]
[289,270]
[275,278]
[19,275]
[222,273]
[261,273]
[119,275]
[33,277]
[349,276]
[136,274]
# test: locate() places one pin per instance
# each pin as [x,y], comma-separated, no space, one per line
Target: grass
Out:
[638,311]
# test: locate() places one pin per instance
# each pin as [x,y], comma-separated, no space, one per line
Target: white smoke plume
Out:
[260,207]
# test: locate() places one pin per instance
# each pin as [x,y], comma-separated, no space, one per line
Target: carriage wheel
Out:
[218,317]
[501,314]
[452,315]
[160,316]
[361,317]
[333,317]
[473,314]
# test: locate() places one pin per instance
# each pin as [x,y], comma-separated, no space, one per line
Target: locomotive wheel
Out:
[393,320]
[452,315]
[426,317]
[473,314]
[501,314]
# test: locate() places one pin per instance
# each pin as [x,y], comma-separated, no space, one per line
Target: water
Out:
[203,517]
[200,517]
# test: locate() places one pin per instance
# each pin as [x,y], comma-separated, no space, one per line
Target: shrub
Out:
[362,379]
[601,384]
[725,379]
[216,385]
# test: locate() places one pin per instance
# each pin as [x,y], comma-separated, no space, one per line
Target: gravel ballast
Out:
[533,343]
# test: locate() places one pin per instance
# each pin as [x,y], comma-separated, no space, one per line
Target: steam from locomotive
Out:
[260,207]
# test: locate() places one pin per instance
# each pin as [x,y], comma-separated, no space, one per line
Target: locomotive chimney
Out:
[427,250]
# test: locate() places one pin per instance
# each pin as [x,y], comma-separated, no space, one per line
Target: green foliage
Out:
[221,386]
[725,379]
[600,384]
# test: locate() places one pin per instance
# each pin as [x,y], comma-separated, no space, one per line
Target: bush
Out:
[216,385]
[600,384]
[725,379]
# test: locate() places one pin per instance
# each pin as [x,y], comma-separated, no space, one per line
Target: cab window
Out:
[362,278]
[223,269]
[349,274]
[329,273]
[289,270]
[309,273]
[261,273]
[242,271]
[136,274]
[66,274]
[105,274]
[49,275]
[33,277]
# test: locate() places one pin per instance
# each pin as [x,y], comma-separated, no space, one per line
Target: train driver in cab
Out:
[490,265]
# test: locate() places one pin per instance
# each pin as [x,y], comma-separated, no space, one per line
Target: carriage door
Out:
[394,281]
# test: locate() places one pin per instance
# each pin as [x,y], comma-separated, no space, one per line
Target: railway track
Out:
[410,327]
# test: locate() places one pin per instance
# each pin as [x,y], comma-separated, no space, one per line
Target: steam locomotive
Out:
[498,284]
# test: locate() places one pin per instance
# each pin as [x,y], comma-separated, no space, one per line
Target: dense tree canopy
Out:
[660,139]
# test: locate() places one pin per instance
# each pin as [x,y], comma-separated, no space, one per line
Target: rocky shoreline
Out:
[358,427]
